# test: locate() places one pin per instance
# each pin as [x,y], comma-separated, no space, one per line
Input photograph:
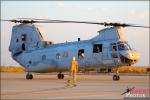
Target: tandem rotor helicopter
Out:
[108,48]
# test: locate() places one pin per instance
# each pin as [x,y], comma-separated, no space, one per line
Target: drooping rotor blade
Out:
[104,23]
[20,21]
[139,26]
[7,20]
[62,21]
[26,20]
[38,19]
[32,20]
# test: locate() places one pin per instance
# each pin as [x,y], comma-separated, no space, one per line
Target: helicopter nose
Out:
[133,55]
[130,57]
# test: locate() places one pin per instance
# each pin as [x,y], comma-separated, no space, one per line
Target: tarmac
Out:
[89,86]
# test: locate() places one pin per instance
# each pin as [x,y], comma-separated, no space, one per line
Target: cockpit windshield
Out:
[123,46]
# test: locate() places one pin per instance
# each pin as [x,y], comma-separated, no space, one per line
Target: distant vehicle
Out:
[108,48]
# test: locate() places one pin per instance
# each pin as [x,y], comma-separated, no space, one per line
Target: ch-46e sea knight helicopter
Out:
[108,48]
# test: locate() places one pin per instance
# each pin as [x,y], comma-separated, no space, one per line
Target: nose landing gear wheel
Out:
[116,76]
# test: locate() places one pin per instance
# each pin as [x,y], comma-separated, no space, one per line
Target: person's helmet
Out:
[74,58]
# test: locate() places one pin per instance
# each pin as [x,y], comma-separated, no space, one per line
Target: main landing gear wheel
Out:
[116,77]
[60,76]
[29,76]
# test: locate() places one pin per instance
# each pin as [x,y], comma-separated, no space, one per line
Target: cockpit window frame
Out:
[113,47]
[125,46]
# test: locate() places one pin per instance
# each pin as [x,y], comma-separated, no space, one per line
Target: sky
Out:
[132,12]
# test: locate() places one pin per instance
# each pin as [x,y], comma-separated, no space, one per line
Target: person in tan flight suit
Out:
[73,69]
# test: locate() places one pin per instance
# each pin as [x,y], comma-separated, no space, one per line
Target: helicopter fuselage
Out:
[106,49]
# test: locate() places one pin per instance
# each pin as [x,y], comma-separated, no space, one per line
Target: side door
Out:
[23,39]
[114,53]
[97,53]
[81,56]
[105,53]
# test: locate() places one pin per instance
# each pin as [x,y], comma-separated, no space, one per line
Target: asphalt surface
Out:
[89,86]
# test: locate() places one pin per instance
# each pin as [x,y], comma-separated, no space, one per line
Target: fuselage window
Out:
[23,46]
[81,53]
[23,37]
[58,56]
[17,40]
[44,57]
[97,48]
[30,62]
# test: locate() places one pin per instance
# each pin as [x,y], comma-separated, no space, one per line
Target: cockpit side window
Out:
[97,48]
[113,47]
[58,56]
[123,46]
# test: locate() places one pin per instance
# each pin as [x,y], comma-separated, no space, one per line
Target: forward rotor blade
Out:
[139,26]
[104,23]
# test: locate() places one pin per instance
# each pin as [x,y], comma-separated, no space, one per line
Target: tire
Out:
[27,76]
[31,76]
[59,76]
[62,76]
[115,77]
[118,77]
